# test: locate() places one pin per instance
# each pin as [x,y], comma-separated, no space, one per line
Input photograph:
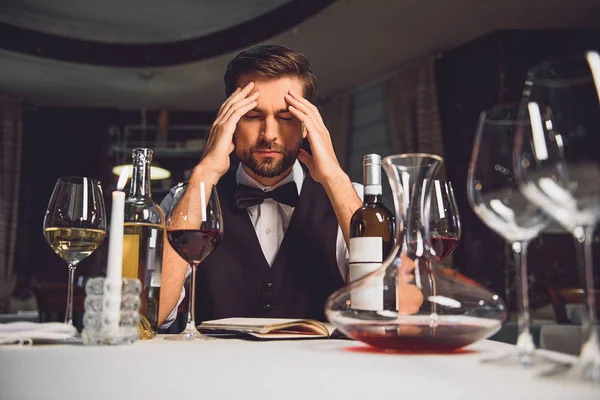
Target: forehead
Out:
[272,90]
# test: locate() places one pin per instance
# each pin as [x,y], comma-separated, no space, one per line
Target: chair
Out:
[51,298]
[561,297]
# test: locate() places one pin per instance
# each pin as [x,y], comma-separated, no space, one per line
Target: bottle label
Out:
[366,255]
[155,281]
[155,273]
[366,250]
[153,236]
[368,296]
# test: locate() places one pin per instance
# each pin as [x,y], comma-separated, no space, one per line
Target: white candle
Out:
[115,242]
[112,298]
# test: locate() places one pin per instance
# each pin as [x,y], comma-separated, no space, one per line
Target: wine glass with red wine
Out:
[444,222]
[194,230]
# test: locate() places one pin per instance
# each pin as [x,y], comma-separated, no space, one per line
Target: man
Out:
[254,272]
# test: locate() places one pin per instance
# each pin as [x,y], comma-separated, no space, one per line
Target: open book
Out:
[270,328]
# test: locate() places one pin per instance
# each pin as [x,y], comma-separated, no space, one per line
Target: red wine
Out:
[194,245]
[443,246]
[419,338]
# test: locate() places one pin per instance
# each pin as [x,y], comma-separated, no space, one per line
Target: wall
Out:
[62,142]
[471,78]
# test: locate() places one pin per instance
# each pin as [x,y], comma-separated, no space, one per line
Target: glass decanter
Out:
[437,309]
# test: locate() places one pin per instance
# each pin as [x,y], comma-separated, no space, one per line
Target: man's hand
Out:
[215,161]
[212,167]
[323,164]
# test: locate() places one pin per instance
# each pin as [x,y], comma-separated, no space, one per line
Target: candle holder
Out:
[99,320]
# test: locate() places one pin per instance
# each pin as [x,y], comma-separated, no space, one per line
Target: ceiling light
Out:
[156,172]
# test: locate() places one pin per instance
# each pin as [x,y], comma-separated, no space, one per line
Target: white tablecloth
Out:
[236,369]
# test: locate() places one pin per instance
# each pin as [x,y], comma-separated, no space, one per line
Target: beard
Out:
[268,167]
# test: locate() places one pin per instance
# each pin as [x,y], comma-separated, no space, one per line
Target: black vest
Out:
[236,279]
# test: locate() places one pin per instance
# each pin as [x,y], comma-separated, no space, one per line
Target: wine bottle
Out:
[143,240]
[371,240]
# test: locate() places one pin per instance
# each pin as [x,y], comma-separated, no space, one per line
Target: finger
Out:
[237,113]
[226,101]
[238,96]
[306,159]
[310,126]
[235,96]
[218,136]
[242,103]
[301,107]
[216,127]
[310,106]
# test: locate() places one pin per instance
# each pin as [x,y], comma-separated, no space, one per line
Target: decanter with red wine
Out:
[436,309]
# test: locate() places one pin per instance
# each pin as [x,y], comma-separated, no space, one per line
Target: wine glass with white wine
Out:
[75,224]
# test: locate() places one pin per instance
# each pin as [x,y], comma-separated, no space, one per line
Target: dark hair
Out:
[271,61]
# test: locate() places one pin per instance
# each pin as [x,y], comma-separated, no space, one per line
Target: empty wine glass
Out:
[495,198]
[444,221]
[558,168]
[75,224]
[194,230]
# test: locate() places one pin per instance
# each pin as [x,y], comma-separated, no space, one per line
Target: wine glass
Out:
[495,198]
[444,221]
[557,164]
[194,230]
[75,224]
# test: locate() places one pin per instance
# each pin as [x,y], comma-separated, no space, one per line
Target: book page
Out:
[270,326]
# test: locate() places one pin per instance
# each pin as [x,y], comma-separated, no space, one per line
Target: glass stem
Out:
[525,345]
[191,323]
[590,350]
[69,311]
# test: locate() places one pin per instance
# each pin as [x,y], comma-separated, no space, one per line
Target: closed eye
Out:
[285,117]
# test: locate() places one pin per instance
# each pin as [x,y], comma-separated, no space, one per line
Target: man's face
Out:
[267,138]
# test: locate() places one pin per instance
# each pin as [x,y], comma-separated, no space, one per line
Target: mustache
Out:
[270,146]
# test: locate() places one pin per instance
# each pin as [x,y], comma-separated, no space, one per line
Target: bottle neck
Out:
[372,181]
[372,197]
[140,181]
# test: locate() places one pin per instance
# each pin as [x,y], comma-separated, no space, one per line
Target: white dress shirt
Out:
[271,220]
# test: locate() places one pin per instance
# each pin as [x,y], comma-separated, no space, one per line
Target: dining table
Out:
[230,368]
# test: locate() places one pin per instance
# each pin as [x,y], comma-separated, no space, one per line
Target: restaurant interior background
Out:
[82,83]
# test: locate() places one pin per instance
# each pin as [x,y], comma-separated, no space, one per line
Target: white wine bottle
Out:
[372,230]
[143,241]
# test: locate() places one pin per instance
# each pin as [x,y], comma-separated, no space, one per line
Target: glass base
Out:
[189,335]
[76,338]
[579,372]
[516,359]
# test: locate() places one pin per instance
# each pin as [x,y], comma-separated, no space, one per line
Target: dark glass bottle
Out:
[143,241]
[372,229]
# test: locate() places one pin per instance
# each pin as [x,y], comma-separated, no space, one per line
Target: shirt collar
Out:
[297,176]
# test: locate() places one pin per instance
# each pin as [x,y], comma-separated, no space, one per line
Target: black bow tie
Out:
[247,196]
